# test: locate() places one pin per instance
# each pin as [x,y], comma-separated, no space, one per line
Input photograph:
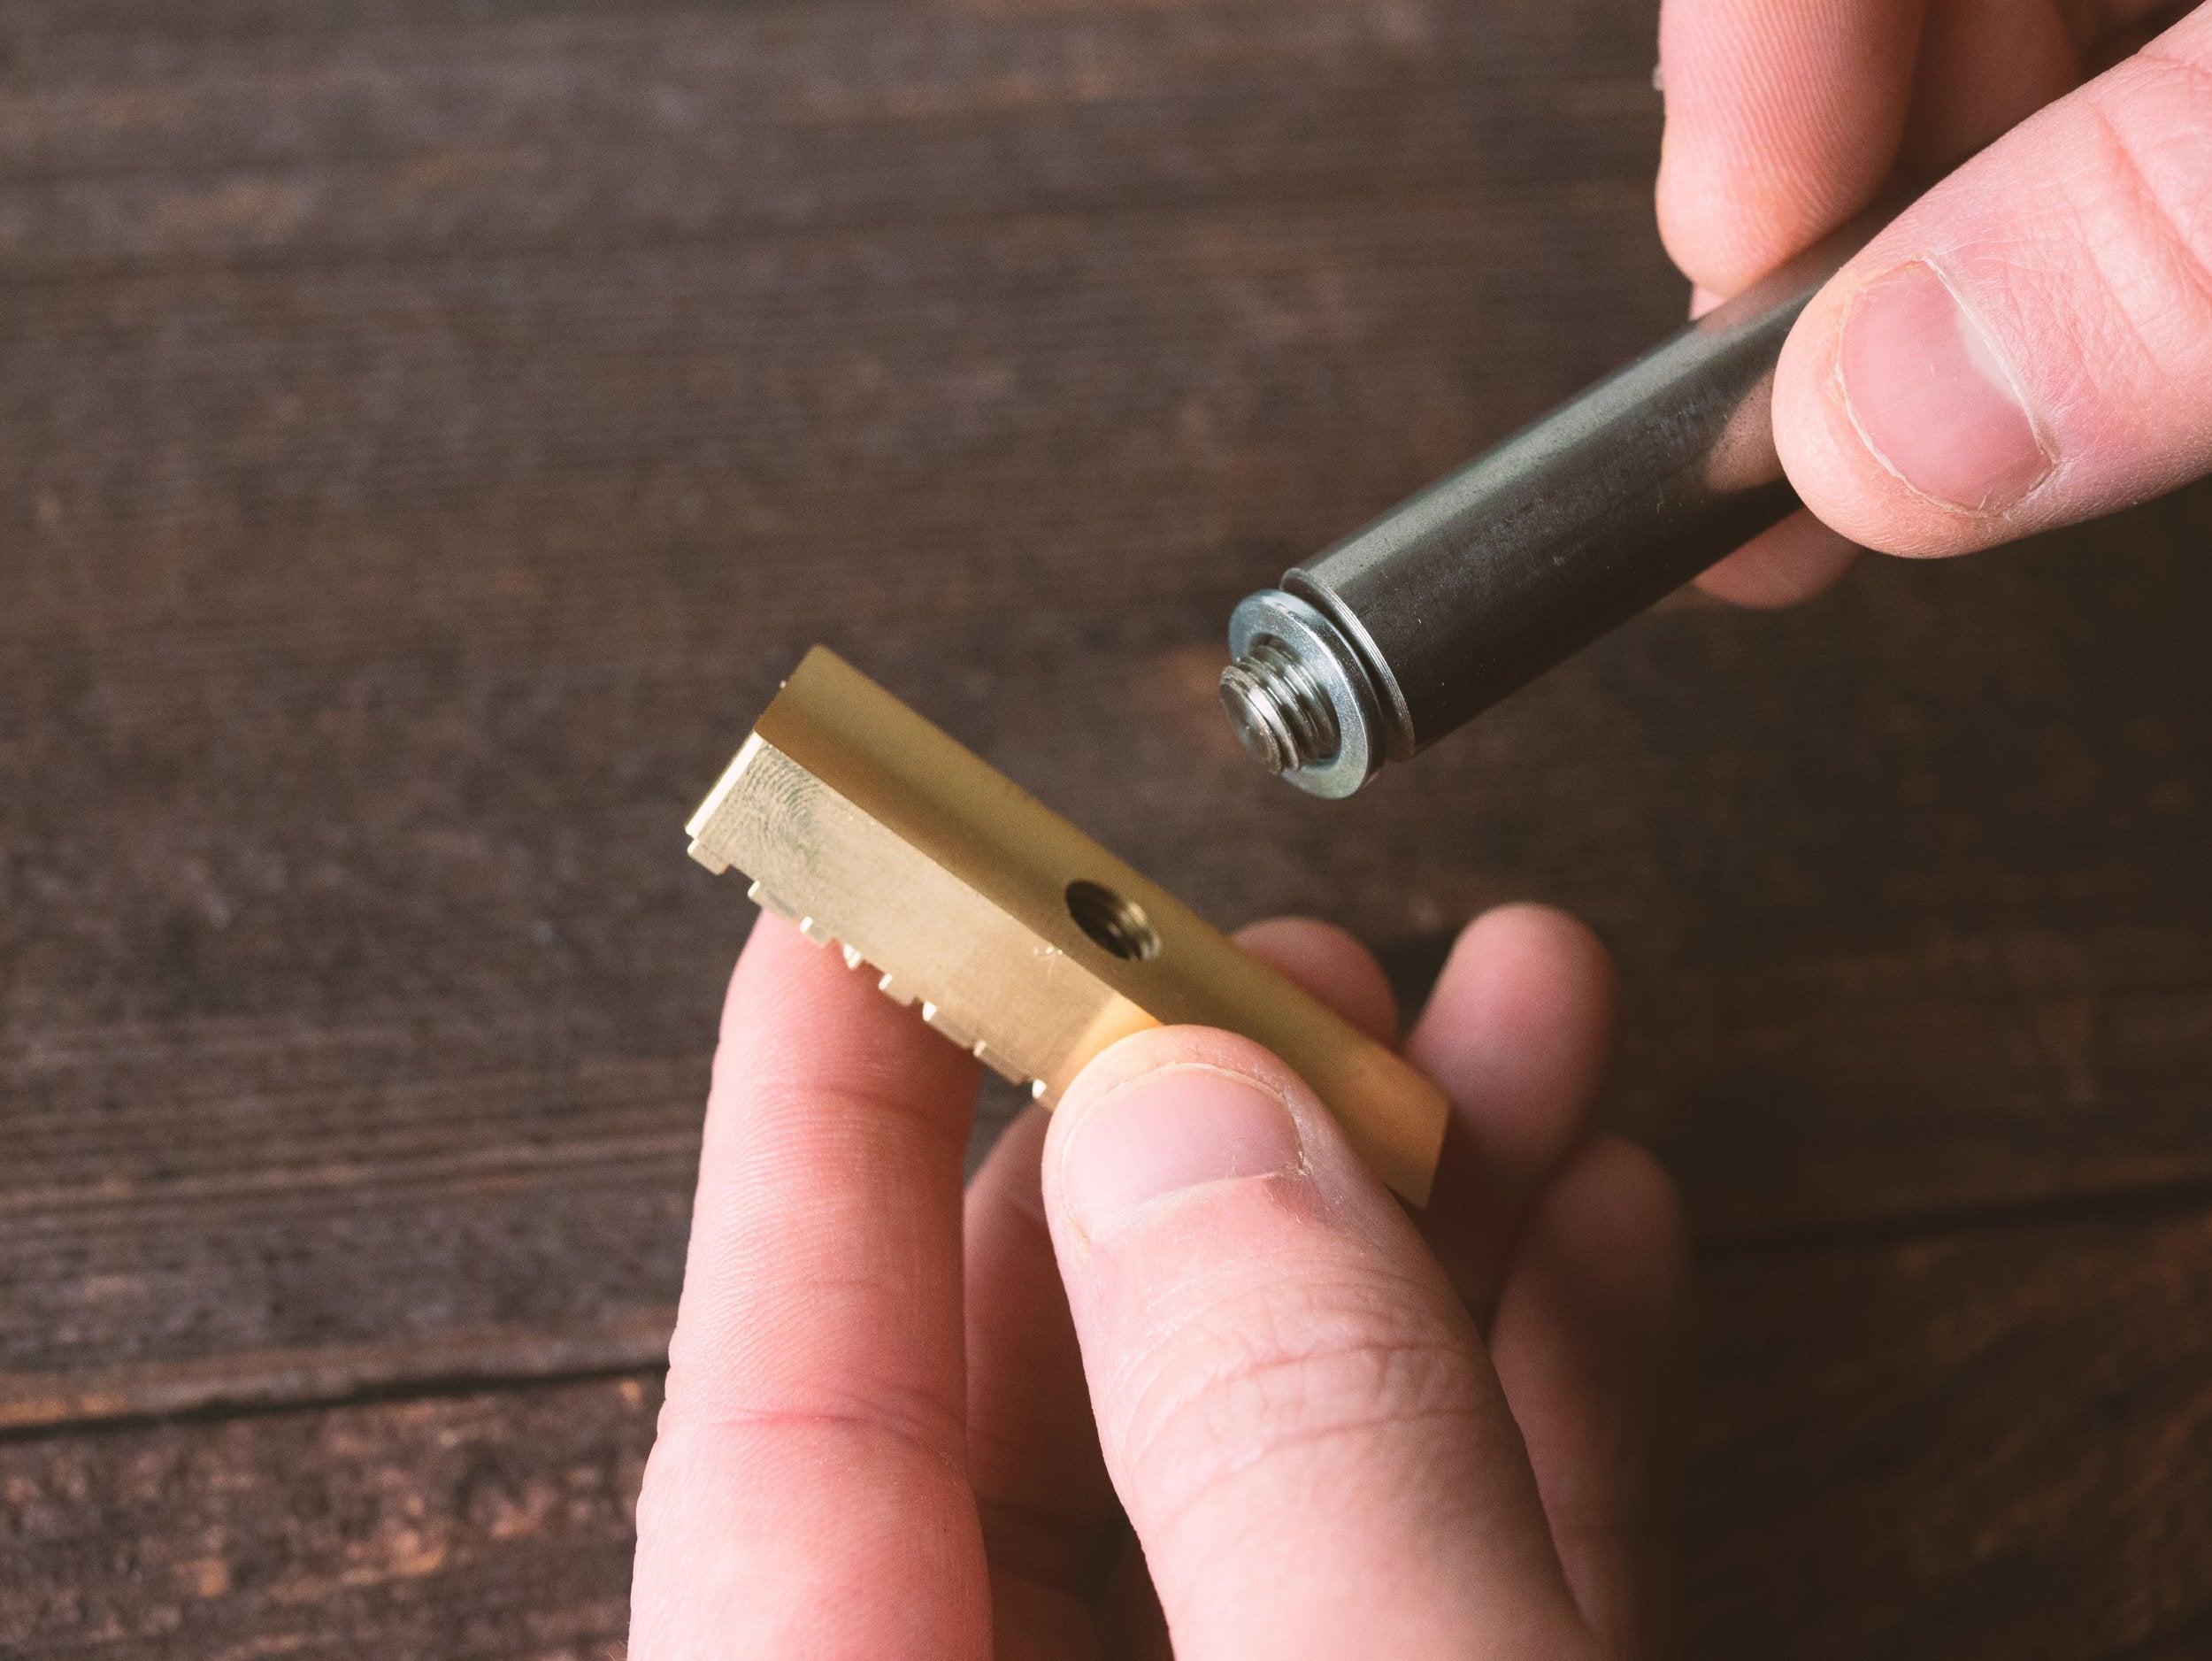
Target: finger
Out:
[1983,66]
[1793,561]
[1052,1528]
[1592,1346]
[1295,1410]
[1518,1032]
[1782,122]
[2031,343]
[1332,965]
[807,1491]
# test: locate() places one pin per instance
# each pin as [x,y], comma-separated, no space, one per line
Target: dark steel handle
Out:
[1402,631]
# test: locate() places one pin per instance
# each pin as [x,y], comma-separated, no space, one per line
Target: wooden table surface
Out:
[428,429]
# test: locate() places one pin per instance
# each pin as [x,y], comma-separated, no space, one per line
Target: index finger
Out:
[809,1490]
[1782,122]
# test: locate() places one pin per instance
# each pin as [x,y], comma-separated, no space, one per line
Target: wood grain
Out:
[427,432]
[1988,1440]
[1992,1440]
[457,1525]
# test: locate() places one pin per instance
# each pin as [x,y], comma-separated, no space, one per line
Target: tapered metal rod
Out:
[1377,648]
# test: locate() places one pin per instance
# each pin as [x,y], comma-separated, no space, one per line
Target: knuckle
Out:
[2147,223]
[1288,1366]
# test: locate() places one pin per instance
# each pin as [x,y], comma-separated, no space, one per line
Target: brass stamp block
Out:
[1022,939]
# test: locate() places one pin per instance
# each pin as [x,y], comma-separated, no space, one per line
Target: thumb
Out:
[2031,343]
[1297,1413]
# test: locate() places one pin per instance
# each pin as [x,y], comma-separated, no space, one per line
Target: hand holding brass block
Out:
[1023,940]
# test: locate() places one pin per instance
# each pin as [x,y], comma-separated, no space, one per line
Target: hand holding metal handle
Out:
[1377,648]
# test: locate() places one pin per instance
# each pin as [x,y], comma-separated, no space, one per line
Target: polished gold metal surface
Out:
[1023,940]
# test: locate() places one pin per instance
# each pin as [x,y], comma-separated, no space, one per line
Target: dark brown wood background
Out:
[428,429]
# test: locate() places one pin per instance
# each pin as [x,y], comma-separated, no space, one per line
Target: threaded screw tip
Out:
[1281,712]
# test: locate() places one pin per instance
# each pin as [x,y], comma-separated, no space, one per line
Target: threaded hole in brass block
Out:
[1115,922]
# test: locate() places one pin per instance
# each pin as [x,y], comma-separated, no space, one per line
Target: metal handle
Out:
[1377,648]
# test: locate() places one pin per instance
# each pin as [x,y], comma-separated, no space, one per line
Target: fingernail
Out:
[1929,392]
[1168,1131]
